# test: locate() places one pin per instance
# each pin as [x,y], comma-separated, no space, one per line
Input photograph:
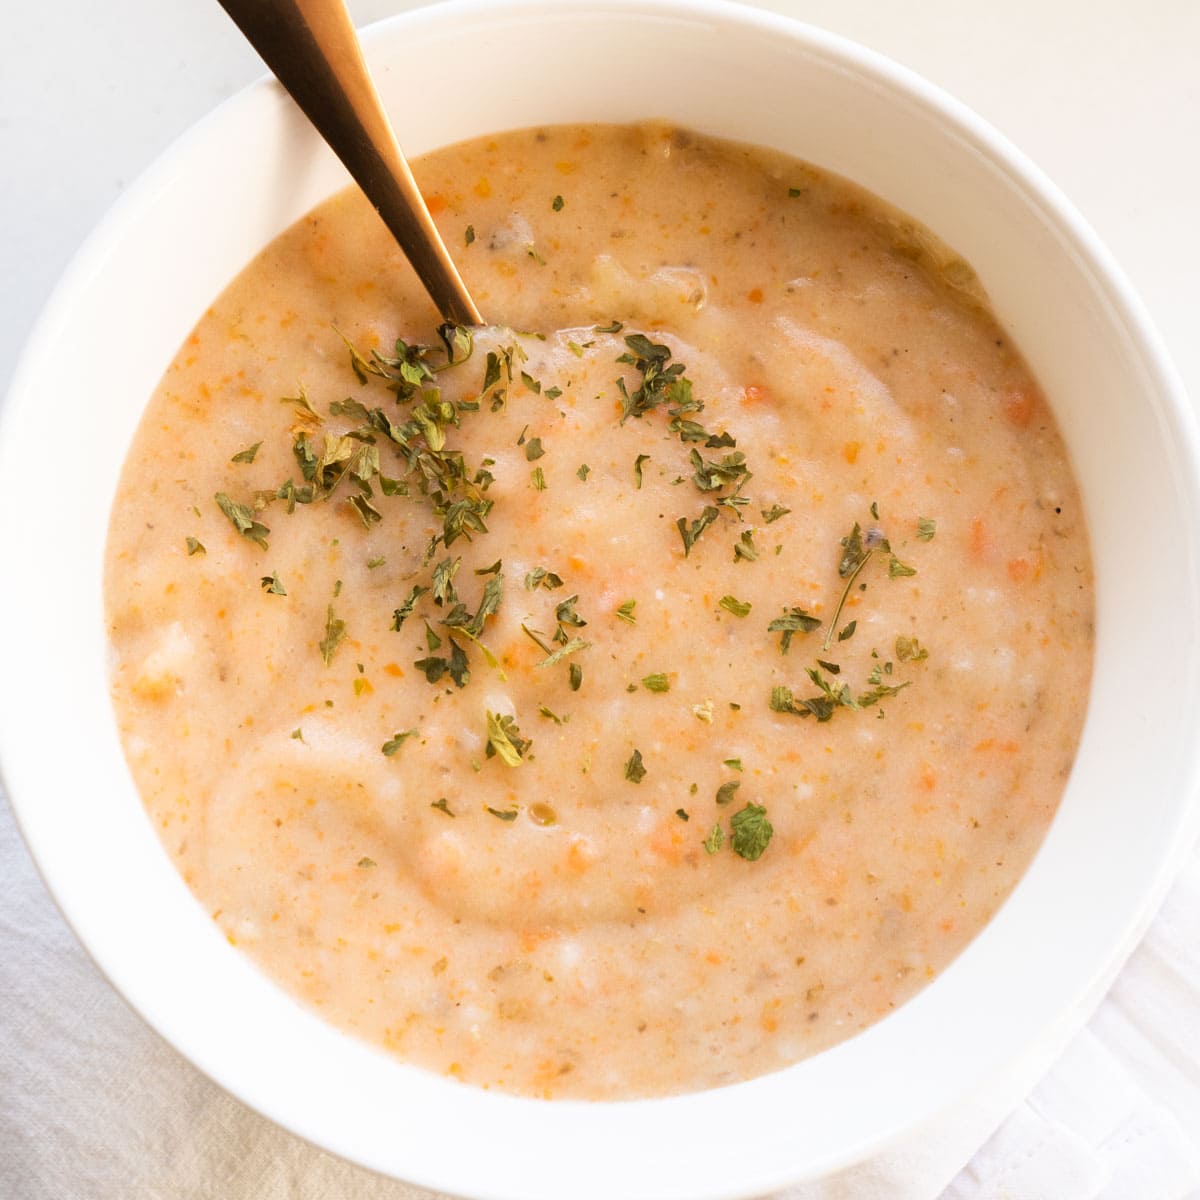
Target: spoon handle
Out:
[312,48]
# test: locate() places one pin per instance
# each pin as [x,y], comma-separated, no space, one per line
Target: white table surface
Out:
[1103,94]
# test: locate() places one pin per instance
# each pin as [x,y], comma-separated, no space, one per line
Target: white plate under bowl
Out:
[450,72]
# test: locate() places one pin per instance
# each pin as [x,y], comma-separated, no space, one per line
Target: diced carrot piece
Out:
[1019,407]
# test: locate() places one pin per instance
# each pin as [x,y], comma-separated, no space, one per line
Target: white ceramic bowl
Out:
[176,239]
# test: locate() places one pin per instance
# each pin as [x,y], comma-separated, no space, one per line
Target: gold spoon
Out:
[312,48]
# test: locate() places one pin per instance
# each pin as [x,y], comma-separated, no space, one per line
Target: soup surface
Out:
[631,704]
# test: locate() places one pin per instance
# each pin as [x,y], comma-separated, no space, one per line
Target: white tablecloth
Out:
[93,1106]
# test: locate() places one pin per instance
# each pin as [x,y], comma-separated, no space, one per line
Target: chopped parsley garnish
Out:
[540,577]
[397,740]
[752,832]
[635,770]
[504,814]
[533,449]
[910,650]
[793,621]
[727,791]
[565,614]
[659,384]
[243,519]
[682,814]
[897,569]
[335,631]
[656,683]
[625,612]
[366,863]
[571,647]
[247,455]
[271,584]
[733,605]
[744,548]
[456,666]
[691,532]
[772,514]
[584,471]
[401,614]
[715,840]
[575,676]
[469,236]
[637,468]
[443,805]
[926,529]
[538,479]
[195,547]
[504,741]
[557,204]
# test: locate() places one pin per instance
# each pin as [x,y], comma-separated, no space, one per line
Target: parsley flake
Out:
[793,621]
[732,604]
[335,631]
[752,832]
[243,519]
[397,740]
[506,743]
[727,791]
[635,770]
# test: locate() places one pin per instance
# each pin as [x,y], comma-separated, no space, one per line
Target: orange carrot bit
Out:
[435,203]
[579,858]
[1019,408]
[755,295]
[714,957]
[850,451]
[980,544]
[768,1019]
[928,777]
[1018,569]
[482,188]
[394,670]
[986,744]
[754,393]
[667,843]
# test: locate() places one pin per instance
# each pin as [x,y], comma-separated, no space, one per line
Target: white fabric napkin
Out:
[94,1106]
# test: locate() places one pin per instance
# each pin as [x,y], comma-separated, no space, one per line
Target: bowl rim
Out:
[124,215]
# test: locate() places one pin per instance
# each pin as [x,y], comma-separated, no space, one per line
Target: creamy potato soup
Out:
[636,695]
